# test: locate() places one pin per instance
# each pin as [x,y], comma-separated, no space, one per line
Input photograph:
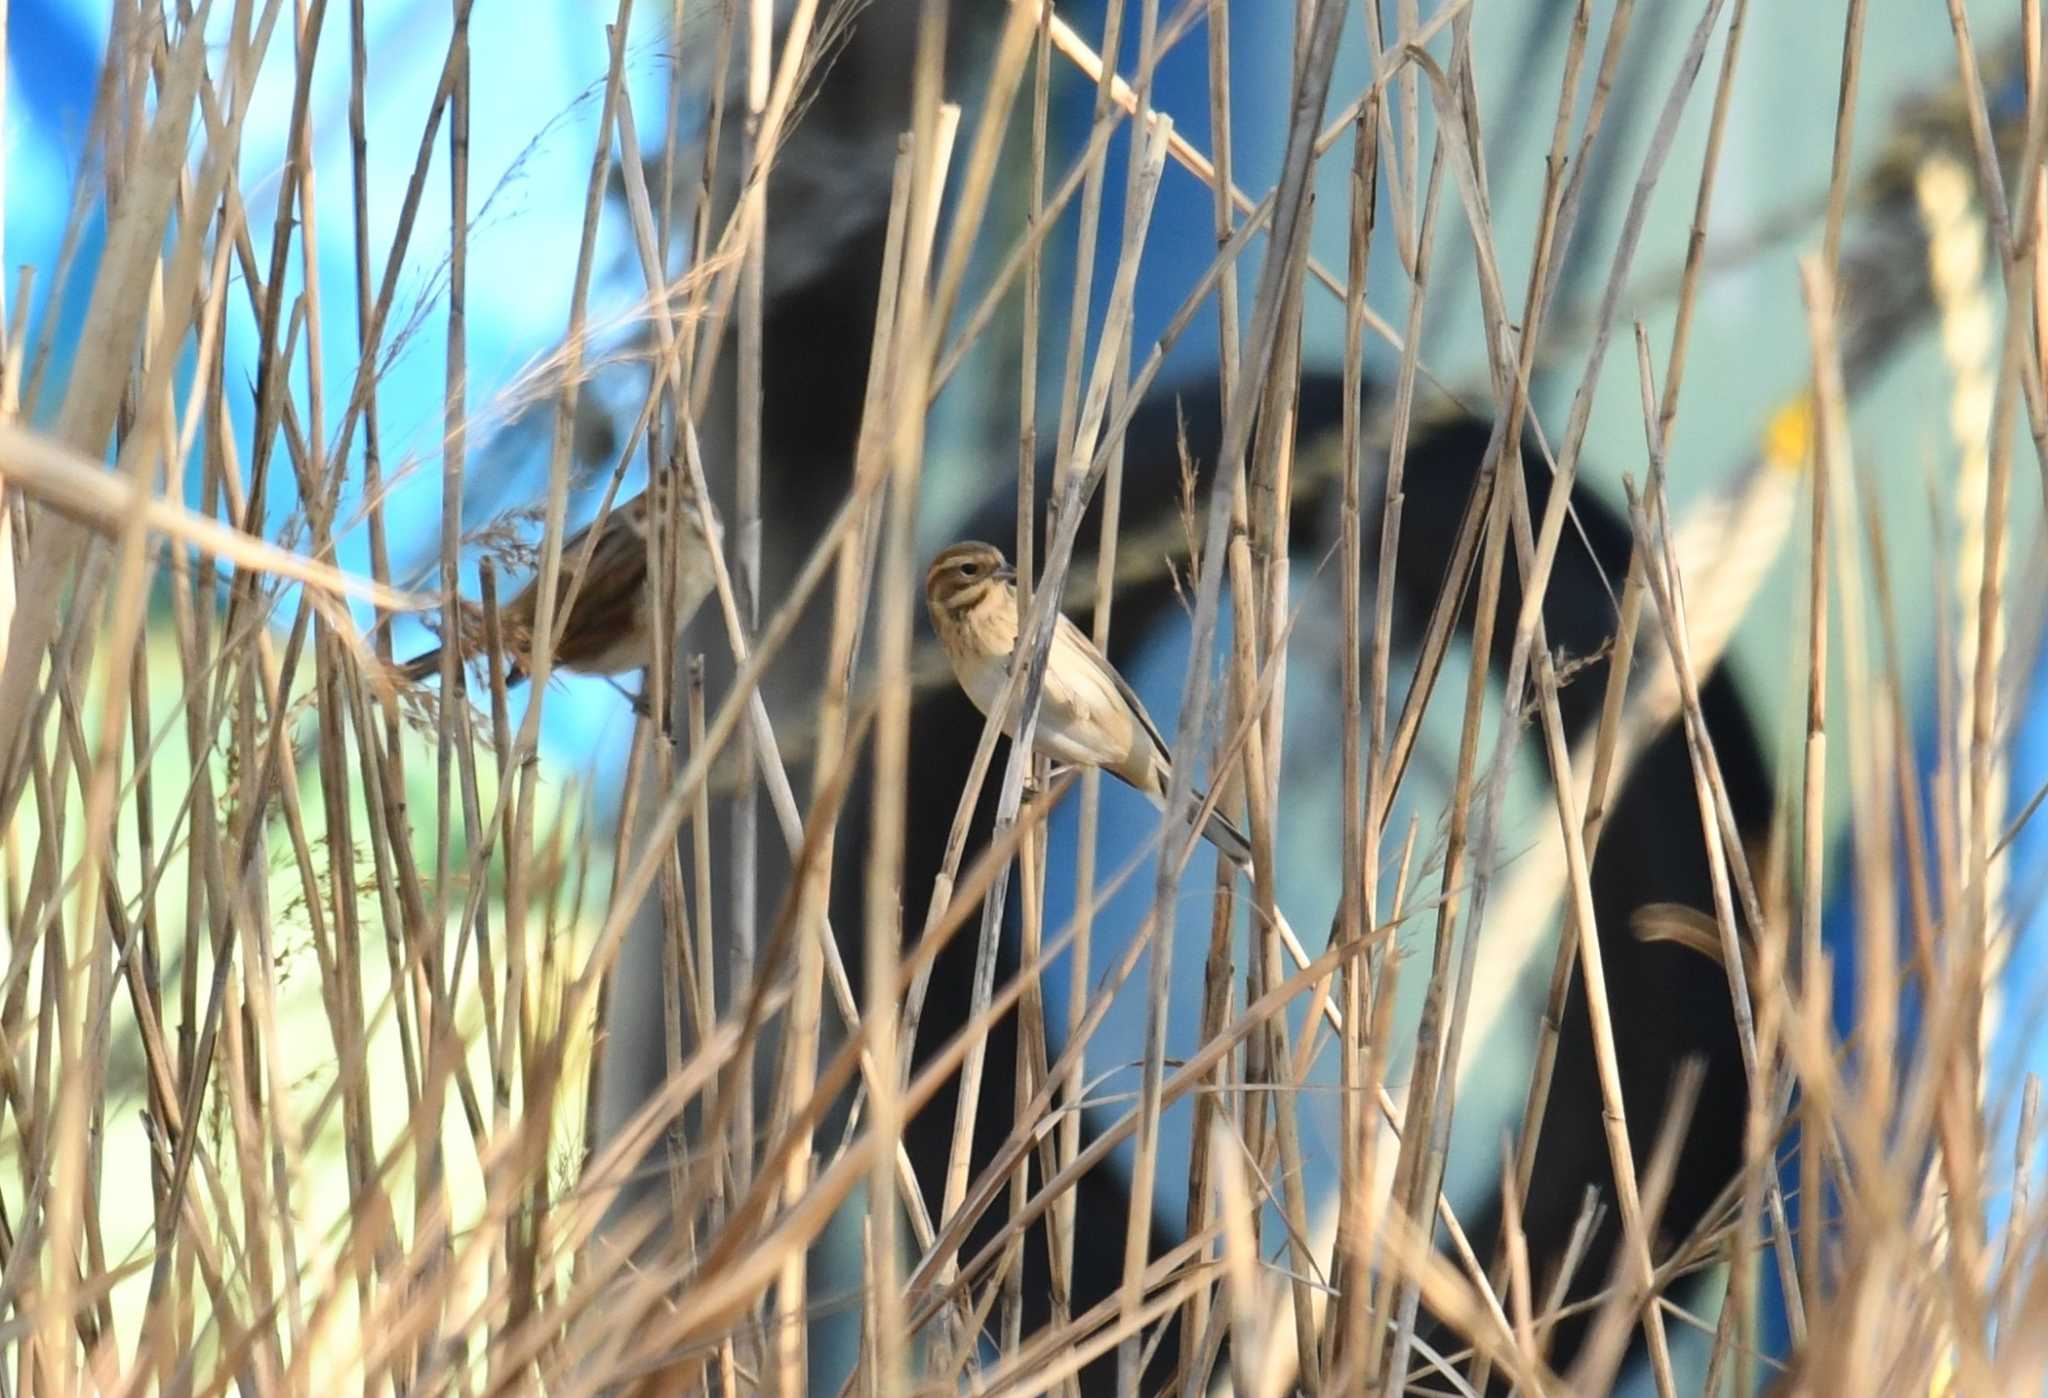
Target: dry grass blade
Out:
[353,1044]
[42,467]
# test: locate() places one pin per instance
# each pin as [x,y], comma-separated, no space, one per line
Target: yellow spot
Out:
[1788,436]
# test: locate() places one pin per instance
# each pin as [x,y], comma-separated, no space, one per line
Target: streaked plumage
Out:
[1089,715]
[609,629]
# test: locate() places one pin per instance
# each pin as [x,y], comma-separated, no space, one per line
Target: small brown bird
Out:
[610,626]
[1089,716]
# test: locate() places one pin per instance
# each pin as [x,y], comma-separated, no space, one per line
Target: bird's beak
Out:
[1006,573]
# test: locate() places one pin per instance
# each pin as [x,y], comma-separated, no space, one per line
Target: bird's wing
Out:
[1097,686]
[618,570]
[525,601]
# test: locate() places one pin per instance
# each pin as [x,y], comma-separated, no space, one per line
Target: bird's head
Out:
[961,576]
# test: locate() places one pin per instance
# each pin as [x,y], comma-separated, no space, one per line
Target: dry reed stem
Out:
[465,1258]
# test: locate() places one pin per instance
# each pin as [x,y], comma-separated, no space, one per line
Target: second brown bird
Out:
[609,628]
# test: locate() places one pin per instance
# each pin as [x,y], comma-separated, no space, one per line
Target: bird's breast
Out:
[981,676]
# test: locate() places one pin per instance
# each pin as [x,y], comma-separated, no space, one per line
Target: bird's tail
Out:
[1220,830]
[420,667]
[424,667]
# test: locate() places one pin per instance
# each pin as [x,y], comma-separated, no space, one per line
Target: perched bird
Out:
[610,624]
[1088,715]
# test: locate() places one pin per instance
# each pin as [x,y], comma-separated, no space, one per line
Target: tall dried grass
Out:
[251,1151]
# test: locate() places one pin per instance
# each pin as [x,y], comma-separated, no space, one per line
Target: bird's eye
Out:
[968,570]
